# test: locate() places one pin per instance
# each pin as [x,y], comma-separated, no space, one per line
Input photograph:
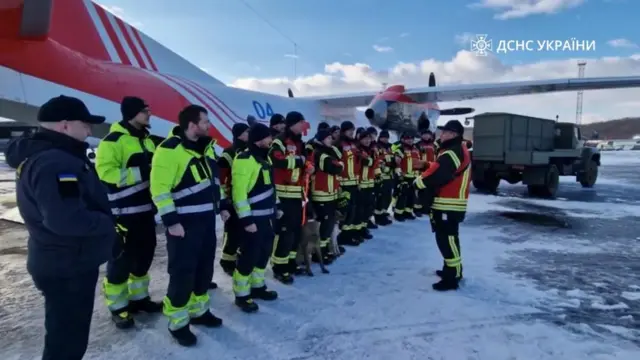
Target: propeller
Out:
[452,111]
[457,111]
[290,92]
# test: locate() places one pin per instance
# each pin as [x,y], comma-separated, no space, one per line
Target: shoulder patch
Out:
[68,185]
[171,143]
[113,136]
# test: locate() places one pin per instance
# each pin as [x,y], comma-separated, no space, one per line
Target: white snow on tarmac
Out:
[377,303]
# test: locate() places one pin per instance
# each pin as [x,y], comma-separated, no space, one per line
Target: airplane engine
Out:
[377,113]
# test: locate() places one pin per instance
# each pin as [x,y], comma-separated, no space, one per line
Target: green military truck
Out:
[530,150]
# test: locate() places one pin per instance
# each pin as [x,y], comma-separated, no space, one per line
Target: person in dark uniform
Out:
[349,178]
[232,228]
[448,179]
[255,203]
[387,166]
[366,183]
[324,190]
[287,157]
[276,125]
[186,190]
[408,161]
[310,145]
[123,162]
[68,216]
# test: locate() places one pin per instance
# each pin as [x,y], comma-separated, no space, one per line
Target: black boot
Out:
[365,234]
[440,273]
[418,213]
[383,220]
[371,225]
[228,266]
[246,304]
[207,319]
[184,336]
[445,285]
[283,277]
[122,320]
[399,217]
[213,285]
[347,238]
[144,305]
[263,294]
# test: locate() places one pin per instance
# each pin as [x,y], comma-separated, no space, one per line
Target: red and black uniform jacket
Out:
[287,157]
[350,159]
[325,184]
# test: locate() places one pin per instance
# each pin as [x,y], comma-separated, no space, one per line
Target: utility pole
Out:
[581,67]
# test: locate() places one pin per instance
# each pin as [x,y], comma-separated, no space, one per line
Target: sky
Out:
[333,47]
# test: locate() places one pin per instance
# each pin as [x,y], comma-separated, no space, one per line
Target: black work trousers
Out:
[325,212]
[446,225]
[350,222]
[140,245]
[255,248]
[289,233]
[68,307]
[233,230]
[191,258]
[406,196]
[383,197]
[366,204]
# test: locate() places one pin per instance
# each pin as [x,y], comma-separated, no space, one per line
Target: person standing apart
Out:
[67,214]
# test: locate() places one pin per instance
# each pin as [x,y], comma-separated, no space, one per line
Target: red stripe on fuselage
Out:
[136,34]
[132,45]
[104,18]
[193,93]
[212,98]
[109,81]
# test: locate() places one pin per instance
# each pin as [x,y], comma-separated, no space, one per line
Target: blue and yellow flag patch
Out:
[67,178]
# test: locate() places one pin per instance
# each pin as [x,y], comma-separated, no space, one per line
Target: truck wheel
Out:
[479,185]
[491,182]
[590,175]
[551,183]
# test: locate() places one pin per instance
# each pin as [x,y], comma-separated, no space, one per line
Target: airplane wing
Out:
[479,91]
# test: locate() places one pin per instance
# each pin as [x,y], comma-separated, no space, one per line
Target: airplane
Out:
[78,48]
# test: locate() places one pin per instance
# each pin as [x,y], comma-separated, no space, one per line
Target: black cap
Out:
[67,108]
[346,126]
[407,135]
[238,129]
[293,118]
[361,132]
[323,126]
[425,131]
[258,132]
[334,128]
[372,130]
[453,126]
[322,134]
[276,119]
[384,134]
[131,106]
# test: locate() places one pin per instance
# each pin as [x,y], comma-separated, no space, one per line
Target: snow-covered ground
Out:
[541,282]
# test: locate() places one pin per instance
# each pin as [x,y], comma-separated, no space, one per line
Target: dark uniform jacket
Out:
[63,203]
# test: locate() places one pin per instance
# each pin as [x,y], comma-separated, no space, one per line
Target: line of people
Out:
[79,216]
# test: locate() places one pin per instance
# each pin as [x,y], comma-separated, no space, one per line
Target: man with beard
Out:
[427,155]
[287,157]
[232,228]
[255,201]
[123,163]
[276,125]
[387,165]
[186,191]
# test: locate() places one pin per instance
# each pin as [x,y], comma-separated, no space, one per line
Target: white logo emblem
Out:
[481,45]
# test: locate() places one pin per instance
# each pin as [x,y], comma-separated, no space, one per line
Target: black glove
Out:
[121,241]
